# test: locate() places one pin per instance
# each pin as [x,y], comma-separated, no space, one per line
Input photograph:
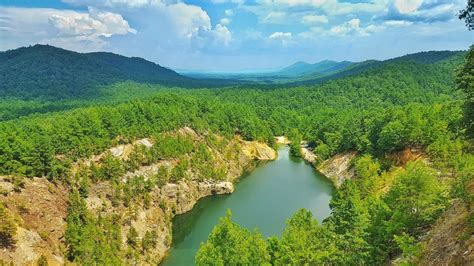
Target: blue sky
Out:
[237,34]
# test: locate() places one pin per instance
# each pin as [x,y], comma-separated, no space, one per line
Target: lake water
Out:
[263,198]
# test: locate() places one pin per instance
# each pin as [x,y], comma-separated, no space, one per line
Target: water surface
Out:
[264,198]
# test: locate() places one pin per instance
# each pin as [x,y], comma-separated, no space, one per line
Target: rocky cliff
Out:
[40,207]
[338,168]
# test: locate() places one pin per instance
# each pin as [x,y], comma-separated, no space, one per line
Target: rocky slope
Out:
[451,241]
[40,207]
[337,168]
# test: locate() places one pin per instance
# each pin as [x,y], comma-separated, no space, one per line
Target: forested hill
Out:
[321,68]
[51,73]
[434,62]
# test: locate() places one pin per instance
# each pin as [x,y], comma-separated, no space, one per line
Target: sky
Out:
[228,35]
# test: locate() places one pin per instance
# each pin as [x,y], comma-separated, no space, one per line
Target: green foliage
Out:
[229,244]
[62,74]
[162,176]
[303,242]
[322,151]
[467,14]
[295,138]
[415,200]
[149,240]
[179,171]
[42,261]
[465,82]
[397,104]
[132,238]
[91,240]
[373,108]
[7,227]
[366,167]
[111,168]
[410,250]
[362,228]
[392,137]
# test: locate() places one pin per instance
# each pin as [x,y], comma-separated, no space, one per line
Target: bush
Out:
[7,227]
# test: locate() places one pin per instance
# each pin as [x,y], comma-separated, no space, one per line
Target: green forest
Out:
[64,114]
[415,101]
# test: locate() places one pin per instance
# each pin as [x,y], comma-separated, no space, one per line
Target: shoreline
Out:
[250,165]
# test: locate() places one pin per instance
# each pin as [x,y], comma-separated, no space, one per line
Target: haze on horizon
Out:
[230,35]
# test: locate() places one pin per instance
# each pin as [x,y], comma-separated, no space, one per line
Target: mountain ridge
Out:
[51,73]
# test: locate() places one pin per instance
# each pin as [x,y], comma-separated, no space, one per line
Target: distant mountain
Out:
[321,68]
[432,60]
[275,76]
[44,71]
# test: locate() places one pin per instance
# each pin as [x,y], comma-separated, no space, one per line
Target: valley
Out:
[130,164]
[264,198]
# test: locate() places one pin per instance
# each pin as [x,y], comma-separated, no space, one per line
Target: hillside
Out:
[50,73]
[303,73]
[431,59]
[150,158]
[279,75]
[321,68]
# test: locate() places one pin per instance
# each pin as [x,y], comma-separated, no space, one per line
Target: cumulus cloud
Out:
[314,19]
[417,11]
[82,31]
[407,6]
[229,12]
[222,34]
[170,24]
[93,23]
[283,37]
[225,21]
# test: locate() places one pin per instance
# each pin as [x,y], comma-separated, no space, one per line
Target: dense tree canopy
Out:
[378,110]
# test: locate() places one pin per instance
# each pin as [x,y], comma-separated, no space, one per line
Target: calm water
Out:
[263,199]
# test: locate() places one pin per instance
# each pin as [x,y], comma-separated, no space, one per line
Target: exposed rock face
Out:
[308,155]
[258,151]
[450,242]
[339,168]
[40,208]
[185,194]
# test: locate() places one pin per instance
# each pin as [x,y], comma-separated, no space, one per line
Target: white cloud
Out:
[283,37]
[228,1]
[274,17]
[225,21]
[178,26]
[330,7]
[94,23]
[112,3]
[314,19]
[83,31]
[352,27]
[229,12]
[397,23]
[222,34]
[408,6]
